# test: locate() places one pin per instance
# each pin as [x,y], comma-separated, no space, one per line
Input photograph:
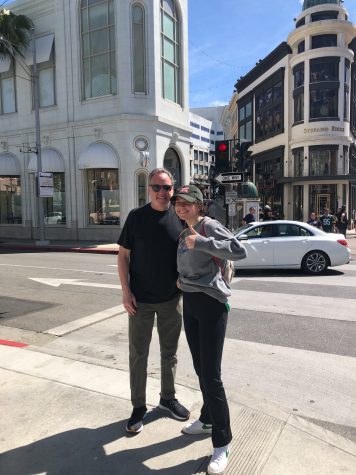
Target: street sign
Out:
[231,210]
[229,177]
[230,197]
[46,184]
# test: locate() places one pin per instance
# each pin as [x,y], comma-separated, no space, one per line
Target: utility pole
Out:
[36,100]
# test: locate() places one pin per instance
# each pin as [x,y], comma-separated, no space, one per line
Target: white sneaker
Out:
[197,427]
[218,461]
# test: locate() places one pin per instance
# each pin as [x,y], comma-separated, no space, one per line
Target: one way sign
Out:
[229,177]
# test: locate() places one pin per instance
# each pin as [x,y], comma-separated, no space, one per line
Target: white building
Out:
[206,129]
[298,107]
[114,105]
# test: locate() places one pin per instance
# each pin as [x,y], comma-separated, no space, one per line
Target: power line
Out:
[224,63]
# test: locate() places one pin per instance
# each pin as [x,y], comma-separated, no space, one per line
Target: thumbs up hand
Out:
[190,240]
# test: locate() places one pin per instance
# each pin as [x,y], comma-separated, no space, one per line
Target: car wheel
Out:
[315,262]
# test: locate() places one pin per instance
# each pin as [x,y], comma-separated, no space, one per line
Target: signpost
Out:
[230,197]
[229,177]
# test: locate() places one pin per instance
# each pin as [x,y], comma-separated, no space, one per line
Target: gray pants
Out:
[169,324]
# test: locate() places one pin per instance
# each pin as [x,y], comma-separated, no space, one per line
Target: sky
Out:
[228,37]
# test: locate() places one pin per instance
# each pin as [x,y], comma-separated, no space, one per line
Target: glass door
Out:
[322,201]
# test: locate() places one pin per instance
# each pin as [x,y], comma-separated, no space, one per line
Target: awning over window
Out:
[98,155]
[5,65]
[9,165]
[43,50]
[51,160]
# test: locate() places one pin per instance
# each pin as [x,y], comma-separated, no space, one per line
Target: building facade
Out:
[206,129]
[298,107]
[113,79]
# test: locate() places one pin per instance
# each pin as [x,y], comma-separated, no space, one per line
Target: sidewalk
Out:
[68,417]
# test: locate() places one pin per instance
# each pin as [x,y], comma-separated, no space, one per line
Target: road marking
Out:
[60,268]
[17,344]
[291,304]
[58,282]
[334,280]
[86,321]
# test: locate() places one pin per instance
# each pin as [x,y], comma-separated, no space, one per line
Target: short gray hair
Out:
[157,171]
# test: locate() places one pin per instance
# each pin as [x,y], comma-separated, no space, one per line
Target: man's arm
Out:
[123,265]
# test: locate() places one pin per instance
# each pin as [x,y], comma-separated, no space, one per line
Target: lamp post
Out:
[34,78]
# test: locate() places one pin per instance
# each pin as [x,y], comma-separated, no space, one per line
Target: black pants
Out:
[205,320]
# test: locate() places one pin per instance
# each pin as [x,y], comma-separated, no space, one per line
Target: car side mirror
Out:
[243,237]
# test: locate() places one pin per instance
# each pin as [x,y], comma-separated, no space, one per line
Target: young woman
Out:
[203,247]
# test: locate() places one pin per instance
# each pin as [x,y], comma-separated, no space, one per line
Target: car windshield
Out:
[241,229]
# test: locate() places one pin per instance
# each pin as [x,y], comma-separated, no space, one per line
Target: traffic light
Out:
[245,156]
[222,156]
[236,156]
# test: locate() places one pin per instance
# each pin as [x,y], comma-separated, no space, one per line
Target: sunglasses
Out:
[158,188]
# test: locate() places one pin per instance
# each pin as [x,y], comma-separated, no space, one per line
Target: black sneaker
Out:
[175,408]
[135,423]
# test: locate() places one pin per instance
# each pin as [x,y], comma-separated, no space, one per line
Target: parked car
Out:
[53,218]
[291,245]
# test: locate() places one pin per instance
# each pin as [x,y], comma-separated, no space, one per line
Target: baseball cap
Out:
[190,193]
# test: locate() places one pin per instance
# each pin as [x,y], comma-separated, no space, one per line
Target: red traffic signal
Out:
[222,147]
[222,156]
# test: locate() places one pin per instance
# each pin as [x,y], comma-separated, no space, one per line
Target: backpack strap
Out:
[217,261]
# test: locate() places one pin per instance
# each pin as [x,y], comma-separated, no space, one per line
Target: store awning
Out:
[51,160]
[43,50]
[9,165]
[5,64]
[98,155]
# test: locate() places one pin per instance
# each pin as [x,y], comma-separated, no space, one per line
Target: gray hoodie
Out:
[198,271]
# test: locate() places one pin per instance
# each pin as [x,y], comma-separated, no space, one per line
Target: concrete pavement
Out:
[64,413]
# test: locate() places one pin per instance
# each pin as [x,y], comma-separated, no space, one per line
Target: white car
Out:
[291,245]
[53,218]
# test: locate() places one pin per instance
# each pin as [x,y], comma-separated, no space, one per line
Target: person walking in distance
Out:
[203,248]
[342,220]
[313,220]
[250,216]
[148,273]
[327,221]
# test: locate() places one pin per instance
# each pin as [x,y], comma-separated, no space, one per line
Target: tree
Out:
[15,31]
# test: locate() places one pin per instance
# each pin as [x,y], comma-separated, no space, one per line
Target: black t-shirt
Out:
[249,218]
[327,221]
[152,238]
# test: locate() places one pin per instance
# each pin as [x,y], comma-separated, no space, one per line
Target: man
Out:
[342,220]
[327,221]
[267,214]
[147,264]
[250,217]
[313,220]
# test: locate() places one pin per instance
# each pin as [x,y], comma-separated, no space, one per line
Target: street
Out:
[290,339]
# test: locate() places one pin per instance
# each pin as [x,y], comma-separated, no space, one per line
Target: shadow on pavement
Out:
[82,452]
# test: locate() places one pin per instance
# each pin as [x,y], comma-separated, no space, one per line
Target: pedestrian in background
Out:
[341,220]
[148,273]
[250,217]
[313,220]
[327,221]
[267,214]
[203,247]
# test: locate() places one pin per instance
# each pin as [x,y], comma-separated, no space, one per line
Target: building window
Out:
[322,161]
[301,47]
[10,200]
[300,23]
[324,88]
[324,41]
[327,15]
[204,128]
[142,188]
[55,207]
[204,139]
[195,125]
[170,52]
[298,93]
[98,48]
[220,132]
[298,203]
[245,121]
[7,90]
[195,136]
[46,80]
[103,196]
[138,49]
[347,78]
[269,109]
[298,154]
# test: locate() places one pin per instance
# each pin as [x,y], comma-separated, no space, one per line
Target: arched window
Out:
[170,52]
[172,163]
[138,49]
[142,188]
[98,48]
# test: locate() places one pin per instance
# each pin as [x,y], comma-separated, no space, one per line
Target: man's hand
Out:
[190,240]
[129,301]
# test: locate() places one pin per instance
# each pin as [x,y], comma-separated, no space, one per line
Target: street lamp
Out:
[34,78]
